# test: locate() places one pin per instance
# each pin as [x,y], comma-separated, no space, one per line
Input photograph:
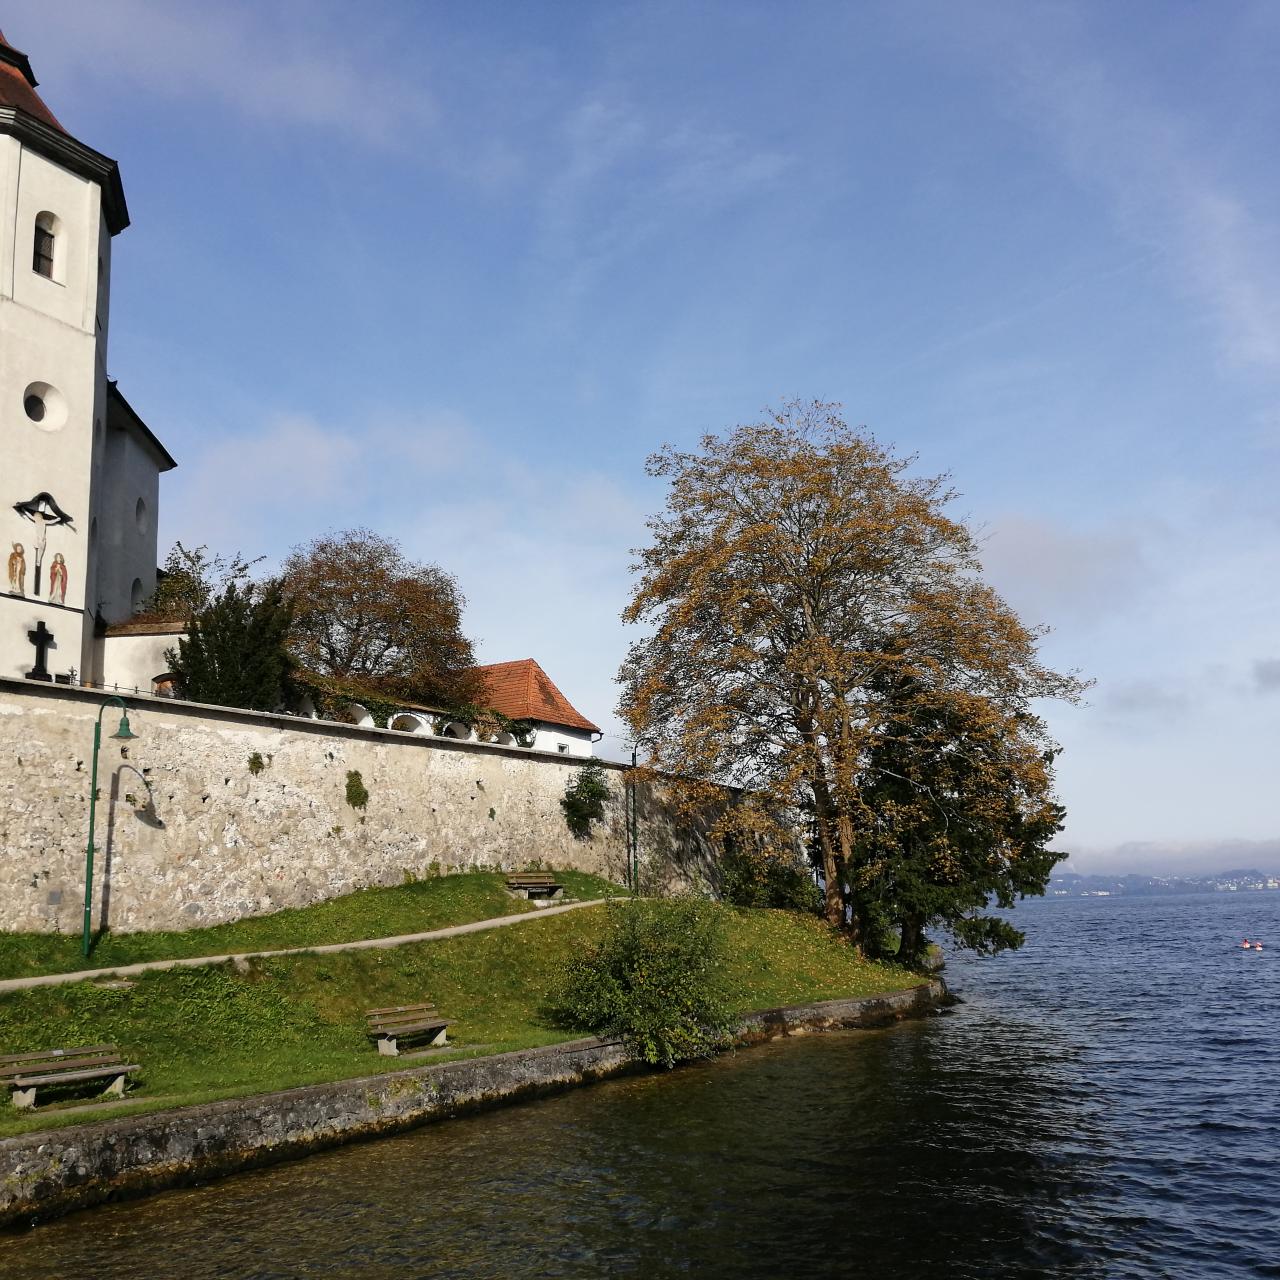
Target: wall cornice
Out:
[74,155]
[17,687]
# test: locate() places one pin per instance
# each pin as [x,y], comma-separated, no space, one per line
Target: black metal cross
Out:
[42,638]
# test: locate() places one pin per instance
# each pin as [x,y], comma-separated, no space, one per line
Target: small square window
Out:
[562,748]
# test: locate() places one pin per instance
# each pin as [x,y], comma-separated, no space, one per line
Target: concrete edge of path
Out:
[45,1174]
[363,944]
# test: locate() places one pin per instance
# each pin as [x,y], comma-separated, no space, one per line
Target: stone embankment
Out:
[46,1174]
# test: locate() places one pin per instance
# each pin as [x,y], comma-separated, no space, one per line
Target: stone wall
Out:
[251,813]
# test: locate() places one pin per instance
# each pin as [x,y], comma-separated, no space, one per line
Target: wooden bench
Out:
[24,1073]
[405,1022]
[534,884]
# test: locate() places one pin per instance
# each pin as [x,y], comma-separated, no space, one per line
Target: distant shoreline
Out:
[1134,884]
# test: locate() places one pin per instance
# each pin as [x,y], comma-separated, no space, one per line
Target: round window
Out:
[44,406]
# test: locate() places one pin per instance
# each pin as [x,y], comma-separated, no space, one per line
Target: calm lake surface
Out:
[1103,1103]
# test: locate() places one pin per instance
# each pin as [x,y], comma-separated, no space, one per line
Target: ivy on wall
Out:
[584,797]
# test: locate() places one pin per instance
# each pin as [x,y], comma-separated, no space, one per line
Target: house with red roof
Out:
[523,691]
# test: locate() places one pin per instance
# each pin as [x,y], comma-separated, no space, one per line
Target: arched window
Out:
[44,256]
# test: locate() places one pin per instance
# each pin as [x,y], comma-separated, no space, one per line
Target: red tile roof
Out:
[18,85]
[523,691]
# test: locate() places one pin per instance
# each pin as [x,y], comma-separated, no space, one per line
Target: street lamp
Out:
[124,734]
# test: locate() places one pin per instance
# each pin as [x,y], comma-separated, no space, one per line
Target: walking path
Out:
[128,970]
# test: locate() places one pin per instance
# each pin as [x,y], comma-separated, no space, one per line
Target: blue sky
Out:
[452,271]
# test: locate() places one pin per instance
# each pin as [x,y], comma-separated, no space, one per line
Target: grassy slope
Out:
[368,913]
[206,1033]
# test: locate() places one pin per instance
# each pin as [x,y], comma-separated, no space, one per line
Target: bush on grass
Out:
[763,881]
[655,980]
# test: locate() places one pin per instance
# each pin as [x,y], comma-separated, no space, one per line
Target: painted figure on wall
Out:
[18,570]
[42,511]
[58,579]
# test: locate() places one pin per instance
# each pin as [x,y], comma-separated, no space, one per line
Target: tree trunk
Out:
[833,904]
[912,940]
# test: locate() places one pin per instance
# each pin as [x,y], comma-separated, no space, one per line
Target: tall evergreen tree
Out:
[958,810]
[234,654]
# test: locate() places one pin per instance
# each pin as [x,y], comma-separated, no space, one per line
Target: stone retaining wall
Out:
[251,813]
[46,1174]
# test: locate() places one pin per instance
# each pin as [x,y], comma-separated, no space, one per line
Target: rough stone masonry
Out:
[251,813]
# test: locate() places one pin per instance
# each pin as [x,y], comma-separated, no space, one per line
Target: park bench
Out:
[405,1022]
[534,884]
[24,1073]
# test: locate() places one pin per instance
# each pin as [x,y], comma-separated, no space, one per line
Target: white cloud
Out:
[540,554]
[1266,675]
[543,563]
[298,65]
[1059,576]
[240,488]
[1167,189]
[1146,700]
[1187,857]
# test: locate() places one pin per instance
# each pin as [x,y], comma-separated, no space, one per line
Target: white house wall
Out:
[133,662]
[47,335]
[570,742]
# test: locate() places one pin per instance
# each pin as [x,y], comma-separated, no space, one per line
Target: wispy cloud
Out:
[1165,186]
[1266,675]
[299,67]
[622,178]
[1147,700]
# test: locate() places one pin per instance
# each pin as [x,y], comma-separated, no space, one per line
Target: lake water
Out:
[1102,1103]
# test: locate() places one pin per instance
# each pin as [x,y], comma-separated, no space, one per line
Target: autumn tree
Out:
[234,654]
[364,612]
[804,591]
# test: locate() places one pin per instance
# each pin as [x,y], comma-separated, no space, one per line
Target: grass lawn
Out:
[215,1032]
[368,913]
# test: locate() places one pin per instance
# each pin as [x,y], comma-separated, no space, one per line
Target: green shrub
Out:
[655,980]
[584,798]
[762,881]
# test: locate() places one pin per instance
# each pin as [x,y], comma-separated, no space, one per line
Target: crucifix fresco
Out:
[43,511]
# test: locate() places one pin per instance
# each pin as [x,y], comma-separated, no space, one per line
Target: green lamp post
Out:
[124,734]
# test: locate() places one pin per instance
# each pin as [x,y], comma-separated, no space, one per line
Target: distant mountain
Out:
[1070,884]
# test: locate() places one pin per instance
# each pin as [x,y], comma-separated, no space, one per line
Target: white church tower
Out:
[79,470]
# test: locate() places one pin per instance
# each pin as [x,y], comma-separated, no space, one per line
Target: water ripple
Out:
[1100,1106]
